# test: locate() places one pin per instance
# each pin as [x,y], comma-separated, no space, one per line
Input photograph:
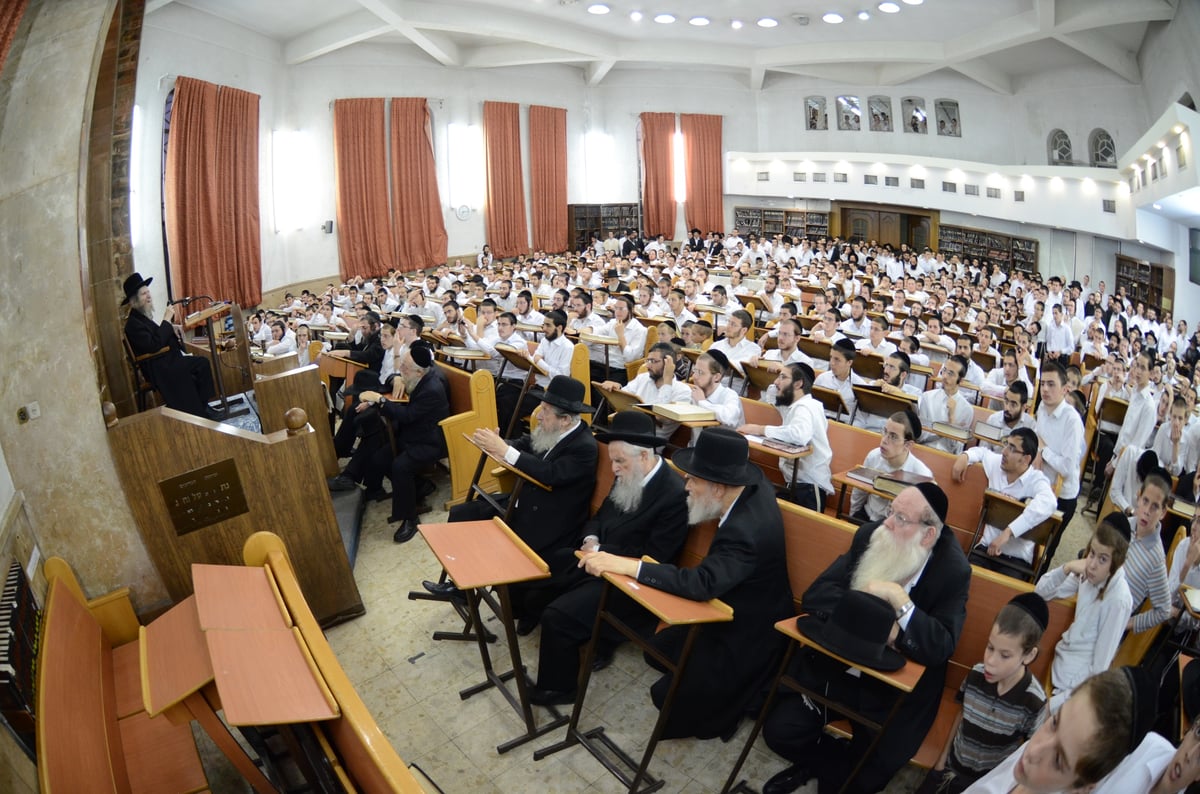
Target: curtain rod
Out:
[440,102]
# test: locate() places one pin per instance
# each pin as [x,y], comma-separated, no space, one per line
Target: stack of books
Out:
[19,621]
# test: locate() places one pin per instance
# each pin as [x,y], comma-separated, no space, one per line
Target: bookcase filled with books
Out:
[761,221]
[1146,282]
[1019,253]
[584,220]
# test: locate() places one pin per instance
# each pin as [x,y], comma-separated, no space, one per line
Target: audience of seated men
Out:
[911,567]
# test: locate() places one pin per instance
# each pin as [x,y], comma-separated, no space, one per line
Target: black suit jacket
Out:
[940,600]
[369,351]
[169,373]
[548,520]
[657,528]
[746,567]
[416,421]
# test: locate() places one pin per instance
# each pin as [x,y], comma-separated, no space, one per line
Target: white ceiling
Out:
[994,42]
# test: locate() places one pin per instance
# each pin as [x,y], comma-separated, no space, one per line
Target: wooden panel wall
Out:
[297,388]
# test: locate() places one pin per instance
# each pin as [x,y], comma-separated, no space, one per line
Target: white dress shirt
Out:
[1032,487]
[804,423]
[877,506]
[1061,435]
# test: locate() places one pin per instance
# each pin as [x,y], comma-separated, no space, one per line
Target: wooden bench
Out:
[93,733]
[760,413]
[472,406]
[358,752]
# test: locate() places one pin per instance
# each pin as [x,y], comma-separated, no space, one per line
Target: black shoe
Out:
[601,660]
[425,487]
[406,532]
[424,508]
[526,625]
[378,495]
[445,589]
[341,483]
[214,414]
[788,780]
[551,697]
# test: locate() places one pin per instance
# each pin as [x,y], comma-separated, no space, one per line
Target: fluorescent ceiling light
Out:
[889,8]
[833,18]
[636,16]
[664,19]
[598,8]
[1157,206]
[864,15]
[736,24]
[768,22]
[698,21]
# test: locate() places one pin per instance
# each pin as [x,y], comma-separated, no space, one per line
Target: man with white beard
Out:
[912,561]
[645,514]
[746,567]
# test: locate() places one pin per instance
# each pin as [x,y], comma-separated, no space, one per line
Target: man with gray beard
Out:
[185,382]
[912,560]
[645,514]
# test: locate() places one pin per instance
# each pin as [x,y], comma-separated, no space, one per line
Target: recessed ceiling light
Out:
[664,19]
[636,16]
[889,8]
[1178,128]
[1162,144]
[698,21]
[736,24]
[914,2]
[768,22]
[864,15]
[833,18]
[598,8]
[1156,206]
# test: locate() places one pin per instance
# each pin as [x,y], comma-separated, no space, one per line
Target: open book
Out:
[896,481]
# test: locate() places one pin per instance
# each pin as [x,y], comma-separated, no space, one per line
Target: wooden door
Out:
[889,229]
[860,224]
[918,232]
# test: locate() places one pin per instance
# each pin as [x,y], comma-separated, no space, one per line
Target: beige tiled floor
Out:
[411,683]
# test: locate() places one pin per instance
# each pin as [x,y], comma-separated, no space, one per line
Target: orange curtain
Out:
[658,183]
[213,231]
[507,232]
[416,206]
[366,245]
[702,159]
[548,177]
[11,12]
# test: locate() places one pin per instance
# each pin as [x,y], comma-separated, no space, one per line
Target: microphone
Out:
[188,299]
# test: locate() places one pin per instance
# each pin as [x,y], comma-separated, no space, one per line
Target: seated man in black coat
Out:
[560,453]
[912,561]
[746,567]
[419,439]
[645,513]
[185,382]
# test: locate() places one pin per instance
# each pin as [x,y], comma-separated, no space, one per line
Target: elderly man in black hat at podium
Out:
[645,513]
[746,567]
[561,453]
[913,562]
[185,382]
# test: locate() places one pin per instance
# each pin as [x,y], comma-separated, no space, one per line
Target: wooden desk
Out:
[481,554]
[794,455]
[674,611]
[338,367]
[468,355]
[903,680]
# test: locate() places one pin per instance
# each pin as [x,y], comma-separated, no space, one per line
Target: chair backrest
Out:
[966,498]
[760,413]
[604,476]
[813,541]
[581,370]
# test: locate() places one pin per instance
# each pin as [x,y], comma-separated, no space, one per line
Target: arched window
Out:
[1187,101]
[1102,150]
[1060,148]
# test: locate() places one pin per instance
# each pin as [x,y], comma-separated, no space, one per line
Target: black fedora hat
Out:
[134,283]
[632,427]
[564,393]
[721,455]
[857,630]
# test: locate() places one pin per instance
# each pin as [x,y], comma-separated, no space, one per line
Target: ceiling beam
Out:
[350,29]
[757,75]
[1105,52]
[831,52]
[1077,15]
[503,24]
[154,5]
[985,74]
[596,71]
[438,47]
[494,56]
[1046,14]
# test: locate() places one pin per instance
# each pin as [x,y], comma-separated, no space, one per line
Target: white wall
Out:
[1009,131]
[1170,59]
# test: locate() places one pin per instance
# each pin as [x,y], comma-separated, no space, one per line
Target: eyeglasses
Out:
[901,519]
[1010,448]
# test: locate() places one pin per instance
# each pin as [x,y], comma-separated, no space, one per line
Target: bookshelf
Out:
[1019,253]
[584,220]
[1146,282]
[762,221]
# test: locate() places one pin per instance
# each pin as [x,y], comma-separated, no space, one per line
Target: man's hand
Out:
[993,548]
[959,469]
[752,430]
[891,592]
[698,395]
[169,314]
[610,385]
[1077,567]
[490,442]
[600,562]
[337,353]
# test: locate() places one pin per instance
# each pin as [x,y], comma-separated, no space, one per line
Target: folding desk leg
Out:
[762,717]
[224,740]
[661,723]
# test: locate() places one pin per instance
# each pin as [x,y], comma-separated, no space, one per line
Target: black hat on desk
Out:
[857,630]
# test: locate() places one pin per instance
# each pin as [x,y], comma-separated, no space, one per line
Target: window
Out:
[1018,195]
[870,179]
[799,176]
[763,176]
[891,181]
[949,187]
[971,190]
[1060,148]
[993,192]
[1108,205]
[838,177]
[859,229]
[1102,150]
[916,184]
[819,176]
[1180,157]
